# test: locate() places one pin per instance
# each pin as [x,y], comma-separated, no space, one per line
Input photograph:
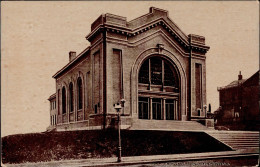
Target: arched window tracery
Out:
[158,71]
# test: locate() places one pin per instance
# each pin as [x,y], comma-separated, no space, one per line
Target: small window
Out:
[96,108]
[63,100]
[199,111]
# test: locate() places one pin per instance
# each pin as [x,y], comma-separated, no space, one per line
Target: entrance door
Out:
[157,109]
[143,108]
[171,109]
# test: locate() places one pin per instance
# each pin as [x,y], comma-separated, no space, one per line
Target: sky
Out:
[36,38]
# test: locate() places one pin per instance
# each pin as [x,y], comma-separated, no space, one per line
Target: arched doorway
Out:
[158,89]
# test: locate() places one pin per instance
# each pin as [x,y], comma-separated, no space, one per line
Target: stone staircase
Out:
[237,139]
[173,125]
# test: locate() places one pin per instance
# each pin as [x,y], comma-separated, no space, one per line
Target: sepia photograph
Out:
[130,83]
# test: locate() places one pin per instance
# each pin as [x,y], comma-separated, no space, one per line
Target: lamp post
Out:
[118,107]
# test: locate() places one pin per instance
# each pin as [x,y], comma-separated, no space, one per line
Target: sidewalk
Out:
[145,159]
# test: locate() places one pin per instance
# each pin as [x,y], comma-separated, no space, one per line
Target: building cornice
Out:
[197,42]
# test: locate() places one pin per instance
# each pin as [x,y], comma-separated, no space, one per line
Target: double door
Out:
[158,108]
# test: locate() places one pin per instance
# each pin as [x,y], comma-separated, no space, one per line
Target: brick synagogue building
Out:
[149,62]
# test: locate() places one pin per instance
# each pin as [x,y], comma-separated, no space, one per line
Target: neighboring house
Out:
[239,104]
[152,65]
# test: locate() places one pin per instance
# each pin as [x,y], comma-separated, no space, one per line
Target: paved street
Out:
[199,159]
[225,162]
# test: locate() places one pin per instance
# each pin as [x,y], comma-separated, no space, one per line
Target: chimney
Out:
[240,77]
[72,55]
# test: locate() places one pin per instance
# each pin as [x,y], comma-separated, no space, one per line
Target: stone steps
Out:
[237,139]
[167,125]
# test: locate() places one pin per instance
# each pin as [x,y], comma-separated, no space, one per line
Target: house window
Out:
[63,100]
[79,83]
[71,97]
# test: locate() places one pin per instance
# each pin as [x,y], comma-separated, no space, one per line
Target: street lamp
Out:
[118,107]
[122,104]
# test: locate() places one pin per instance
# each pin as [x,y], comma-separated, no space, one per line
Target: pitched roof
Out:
[67,66]
[237,82]
[52,96]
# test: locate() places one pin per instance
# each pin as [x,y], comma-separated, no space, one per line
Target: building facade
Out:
[157,69]
[239,104]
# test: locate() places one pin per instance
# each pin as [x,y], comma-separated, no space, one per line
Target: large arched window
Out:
[79,83]
[158,71]
[63,100]
[158,90]
[71,97]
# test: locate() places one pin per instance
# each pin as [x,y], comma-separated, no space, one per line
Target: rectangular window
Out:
[157,111]
[143,108]
[96,109]
[169,107]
